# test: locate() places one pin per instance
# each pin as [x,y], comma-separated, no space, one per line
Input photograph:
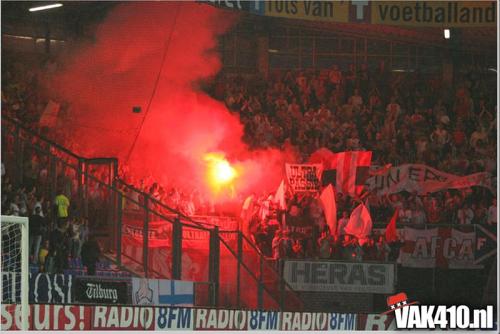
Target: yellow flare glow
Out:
[219,170]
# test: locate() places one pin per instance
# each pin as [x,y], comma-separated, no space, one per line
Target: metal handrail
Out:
[184,220]
[267,264]
[250,271]
[48,141]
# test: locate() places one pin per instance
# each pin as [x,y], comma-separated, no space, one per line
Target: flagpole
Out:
[433,276]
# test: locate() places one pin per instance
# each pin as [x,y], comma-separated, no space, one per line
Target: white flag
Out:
[330,208]
[360,223]
[279,196]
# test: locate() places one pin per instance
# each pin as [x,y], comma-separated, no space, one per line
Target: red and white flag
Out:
[349,172]
[360,222]
[330,208]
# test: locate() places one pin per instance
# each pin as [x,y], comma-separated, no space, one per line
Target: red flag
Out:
[391,233]
[349,172]
[360,223]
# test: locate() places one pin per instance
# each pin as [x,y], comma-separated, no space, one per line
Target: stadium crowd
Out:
[403,117]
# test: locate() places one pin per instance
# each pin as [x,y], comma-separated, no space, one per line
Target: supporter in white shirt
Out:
[417,214]
[38,204]
[405,215]
[492,213]
[465,215]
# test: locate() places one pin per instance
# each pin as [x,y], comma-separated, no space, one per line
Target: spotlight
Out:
[36,9]
[447,33]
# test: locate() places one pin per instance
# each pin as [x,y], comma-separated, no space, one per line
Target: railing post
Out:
[177,249]
[214,262]
[282,285]
[52,181]
[119,217]
[85,189]
[238,269]
[145,234]
[80,186]
[260,291]
[19,154]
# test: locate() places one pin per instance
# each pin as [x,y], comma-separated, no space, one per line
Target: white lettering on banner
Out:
[422,179]
[220,319]
[124,317]
[259,320]
[293,321]
[95,291]
[46,283]
[11,316]
[379,322]
[46,317]
[339,321]
[168,318]
[340,276]
[444,247]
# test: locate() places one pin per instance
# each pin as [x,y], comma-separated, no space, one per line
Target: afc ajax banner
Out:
[443,247]
[304,177]
[423,179]
[93,290]
[329,276]
[44,288]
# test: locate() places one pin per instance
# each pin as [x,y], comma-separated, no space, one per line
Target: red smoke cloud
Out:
[104,80]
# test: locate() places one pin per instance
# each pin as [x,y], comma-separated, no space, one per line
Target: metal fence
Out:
[237,275]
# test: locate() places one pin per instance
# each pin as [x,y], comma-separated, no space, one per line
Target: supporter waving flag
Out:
[391,233]
[348,172]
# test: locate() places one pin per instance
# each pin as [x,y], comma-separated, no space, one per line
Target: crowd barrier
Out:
[58,317]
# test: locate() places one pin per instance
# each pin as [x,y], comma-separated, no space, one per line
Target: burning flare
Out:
[220,173]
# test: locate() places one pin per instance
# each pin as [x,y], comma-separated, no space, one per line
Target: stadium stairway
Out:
[259,284]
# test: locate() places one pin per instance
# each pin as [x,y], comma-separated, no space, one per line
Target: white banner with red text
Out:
[304,177]
[423,179]
[443,247]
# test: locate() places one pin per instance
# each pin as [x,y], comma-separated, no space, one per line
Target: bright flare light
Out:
[219,170]
[36,9]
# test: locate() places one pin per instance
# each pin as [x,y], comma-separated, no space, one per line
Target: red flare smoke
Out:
[103,82]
